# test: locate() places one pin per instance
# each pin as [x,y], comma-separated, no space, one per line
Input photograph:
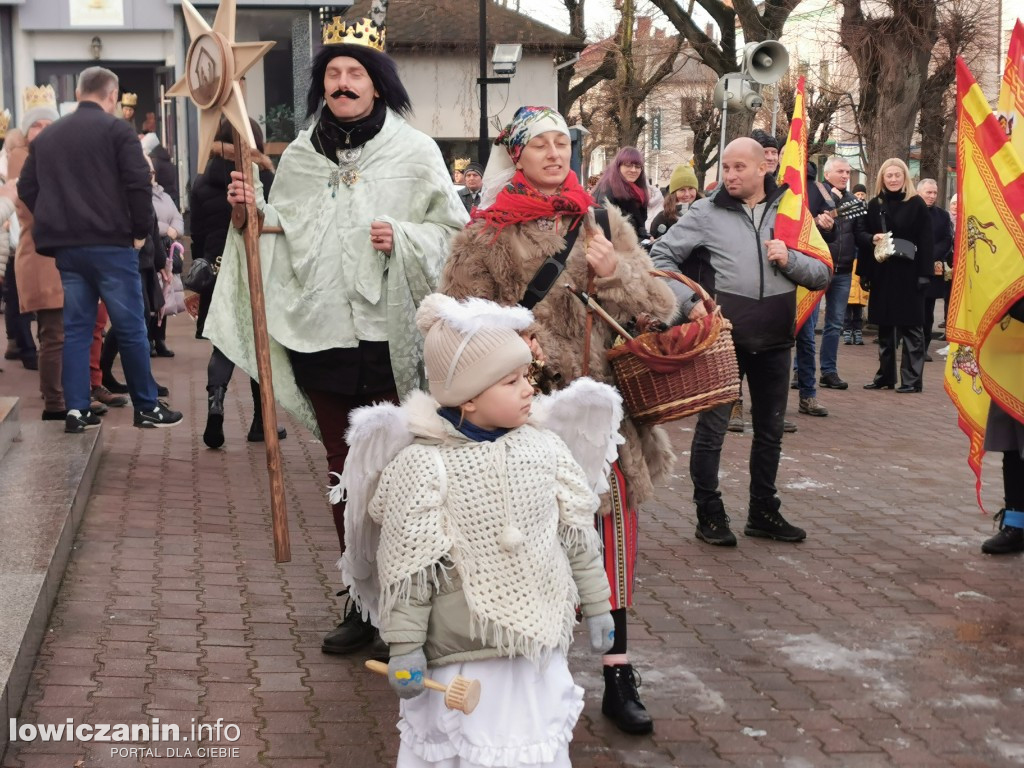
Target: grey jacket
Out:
[728,238]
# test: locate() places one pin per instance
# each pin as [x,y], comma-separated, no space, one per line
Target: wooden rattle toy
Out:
[461,693]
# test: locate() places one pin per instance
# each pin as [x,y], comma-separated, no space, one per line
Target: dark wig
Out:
[614,187]
[380,66]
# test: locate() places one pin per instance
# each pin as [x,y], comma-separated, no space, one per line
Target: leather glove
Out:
[406,673]
[602,632]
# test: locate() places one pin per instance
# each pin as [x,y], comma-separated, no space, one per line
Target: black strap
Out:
[553,266]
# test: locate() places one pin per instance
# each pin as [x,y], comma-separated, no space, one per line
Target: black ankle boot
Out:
[113,384]
[622,703]
[1008,541]
[214,434]
[765,521]
[713,524]
[353,633]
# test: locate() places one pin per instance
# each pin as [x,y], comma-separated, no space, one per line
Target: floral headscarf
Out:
[508,197]
[501,166]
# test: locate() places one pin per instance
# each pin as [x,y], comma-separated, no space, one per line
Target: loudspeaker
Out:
[736,93]
[765,62]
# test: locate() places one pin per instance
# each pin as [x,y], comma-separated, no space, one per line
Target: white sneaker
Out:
[944,351]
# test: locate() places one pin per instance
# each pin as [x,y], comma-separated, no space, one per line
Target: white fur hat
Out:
[470,345]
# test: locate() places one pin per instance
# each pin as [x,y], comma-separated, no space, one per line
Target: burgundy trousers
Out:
[332,411]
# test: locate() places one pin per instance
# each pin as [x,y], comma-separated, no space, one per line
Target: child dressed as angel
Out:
[486,546]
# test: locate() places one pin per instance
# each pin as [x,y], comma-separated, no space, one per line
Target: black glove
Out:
[865,285]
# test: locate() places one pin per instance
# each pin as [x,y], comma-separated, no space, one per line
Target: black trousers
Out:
[912,360]
[767,375]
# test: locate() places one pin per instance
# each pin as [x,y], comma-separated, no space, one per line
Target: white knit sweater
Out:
[507,515]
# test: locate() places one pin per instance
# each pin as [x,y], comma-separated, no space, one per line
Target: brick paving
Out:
[885,639]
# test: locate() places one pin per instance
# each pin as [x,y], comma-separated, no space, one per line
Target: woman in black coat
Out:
[210,219]
[624,185]
[898,283]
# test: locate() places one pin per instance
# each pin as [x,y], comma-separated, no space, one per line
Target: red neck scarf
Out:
[520,201]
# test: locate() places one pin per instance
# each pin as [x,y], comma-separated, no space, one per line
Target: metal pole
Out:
[775,109]
[721,140]
[483,150]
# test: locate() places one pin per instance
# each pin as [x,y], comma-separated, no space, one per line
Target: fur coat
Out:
[500,269]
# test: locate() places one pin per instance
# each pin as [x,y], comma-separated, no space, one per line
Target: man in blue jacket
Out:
[87,185]
[755,278]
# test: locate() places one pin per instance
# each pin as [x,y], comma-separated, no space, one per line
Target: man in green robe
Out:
[367,210]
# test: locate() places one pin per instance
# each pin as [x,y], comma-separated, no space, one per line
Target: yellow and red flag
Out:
[794,224]
[1011,91]
[986,351]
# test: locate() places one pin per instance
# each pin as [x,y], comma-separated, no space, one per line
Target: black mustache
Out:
[346,93]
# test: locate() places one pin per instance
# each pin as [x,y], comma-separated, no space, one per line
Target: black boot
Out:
[256,428]
[214,434]
[713,524]
[161,349]
[764,521]
[621,702]
[1008,541]
[352,634]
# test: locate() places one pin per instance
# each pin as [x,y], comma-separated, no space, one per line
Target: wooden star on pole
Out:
[214,66]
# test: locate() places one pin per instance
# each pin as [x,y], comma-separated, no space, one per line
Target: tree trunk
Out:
[932,127]
[891,54]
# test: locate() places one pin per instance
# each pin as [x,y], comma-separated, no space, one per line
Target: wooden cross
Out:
[214,67]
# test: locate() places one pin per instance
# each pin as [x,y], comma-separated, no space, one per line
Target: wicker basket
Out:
[700,379]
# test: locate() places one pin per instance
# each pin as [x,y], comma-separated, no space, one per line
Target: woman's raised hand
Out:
[601,254]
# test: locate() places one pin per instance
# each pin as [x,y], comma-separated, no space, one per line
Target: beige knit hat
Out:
[470,345]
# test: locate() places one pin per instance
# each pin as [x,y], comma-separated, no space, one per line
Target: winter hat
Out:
[859,188]
[38,103]
[683,177]
[150,142]
[765,139]
[474,168]
[470,345]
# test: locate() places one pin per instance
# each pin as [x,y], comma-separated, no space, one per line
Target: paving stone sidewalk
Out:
[885,639]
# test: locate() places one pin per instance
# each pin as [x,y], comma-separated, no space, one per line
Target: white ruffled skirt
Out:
[524,719]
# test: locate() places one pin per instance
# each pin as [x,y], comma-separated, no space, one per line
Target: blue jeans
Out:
[111,273]
[767,375]
[836,296]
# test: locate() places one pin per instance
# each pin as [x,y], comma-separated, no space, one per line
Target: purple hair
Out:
[613,187]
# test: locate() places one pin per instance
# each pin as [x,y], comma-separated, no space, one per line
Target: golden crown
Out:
[129,99]
[461,163]
[5,122]
[360,32]
[39,96]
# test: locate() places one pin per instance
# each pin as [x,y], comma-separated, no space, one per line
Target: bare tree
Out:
[823,105]
[964,30]
[704,119]
[891,45]
[759,20]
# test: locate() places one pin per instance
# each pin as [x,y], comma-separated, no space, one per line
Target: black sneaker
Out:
[161,416]
[831,380]
[764,521]
[1008,541]
[76,421]
[353,634]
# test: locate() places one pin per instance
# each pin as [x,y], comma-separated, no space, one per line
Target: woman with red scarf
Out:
[530,205]
[624,185]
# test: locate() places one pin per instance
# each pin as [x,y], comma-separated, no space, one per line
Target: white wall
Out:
[30,47]
[445,96]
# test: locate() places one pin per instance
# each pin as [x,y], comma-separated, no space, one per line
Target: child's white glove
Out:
[602,632]
[406,673]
